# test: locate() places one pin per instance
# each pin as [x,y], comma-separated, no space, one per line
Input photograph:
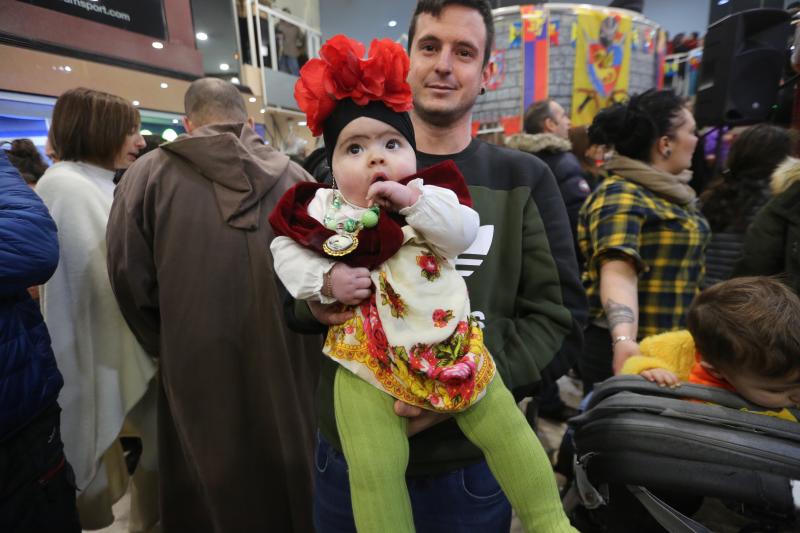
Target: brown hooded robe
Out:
[189,261]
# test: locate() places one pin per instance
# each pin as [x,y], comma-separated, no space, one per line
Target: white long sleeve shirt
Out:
[447,226]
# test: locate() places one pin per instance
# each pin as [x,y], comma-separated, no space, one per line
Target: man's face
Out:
[560,121]
[447,70]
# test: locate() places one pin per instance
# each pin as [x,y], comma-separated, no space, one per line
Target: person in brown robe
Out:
[189,261]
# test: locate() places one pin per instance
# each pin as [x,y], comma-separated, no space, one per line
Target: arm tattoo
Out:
[617,313]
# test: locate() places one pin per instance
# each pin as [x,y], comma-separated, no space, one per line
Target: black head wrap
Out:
[347,111]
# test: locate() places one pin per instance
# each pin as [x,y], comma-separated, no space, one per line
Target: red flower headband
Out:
[341,73]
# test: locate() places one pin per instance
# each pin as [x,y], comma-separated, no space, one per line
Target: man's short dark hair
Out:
[434,8]
[212,100]
[748,324]
[535,116]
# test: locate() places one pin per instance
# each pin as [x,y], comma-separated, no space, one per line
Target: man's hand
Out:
[662,376]
[419,419]
[350,285]
[622,351]
[330,314]
[392,195]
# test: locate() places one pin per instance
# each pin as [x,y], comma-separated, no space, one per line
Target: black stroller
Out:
[648,456]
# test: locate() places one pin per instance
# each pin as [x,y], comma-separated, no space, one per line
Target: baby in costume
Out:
[384,240]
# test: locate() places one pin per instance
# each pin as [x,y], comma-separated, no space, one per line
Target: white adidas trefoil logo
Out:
[469,261]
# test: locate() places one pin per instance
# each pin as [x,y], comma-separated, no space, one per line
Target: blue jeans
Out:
[464,501]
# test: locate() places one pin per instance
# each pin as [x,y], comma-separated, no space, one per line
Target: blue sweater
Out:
[29,377]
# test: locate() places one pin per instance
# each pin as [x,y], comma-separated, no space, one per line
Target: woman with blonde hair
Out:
[106,372]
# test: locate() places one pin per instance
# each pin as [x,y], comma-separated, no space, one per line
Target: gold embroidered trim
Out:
[399,381]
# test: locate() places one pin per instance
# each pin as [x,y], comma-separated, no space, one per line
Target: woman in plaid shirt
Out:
[641,234]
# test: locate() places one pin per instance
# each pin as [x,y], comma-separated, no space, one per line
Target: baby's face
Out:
[368,149]
[768,392]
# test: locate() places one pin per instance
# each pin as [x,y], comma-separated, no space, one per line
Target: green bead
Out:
[330,223]
[337,201]
[350,225]
[369,218]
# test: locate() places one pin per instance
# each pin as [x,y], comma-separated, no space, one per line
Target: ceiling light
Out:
[262,110]
[164,85]
[145,132]
[67,68]
[392,23]
[157,45]
[136,102]
[252,99]
[301,123]
[224,66]
[169,135]
[235,80]
[176,121]
[201,36]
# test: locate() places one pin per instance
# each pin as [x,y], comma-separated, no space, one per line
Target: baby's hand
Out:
[392,195]
[350,285]
[663,377]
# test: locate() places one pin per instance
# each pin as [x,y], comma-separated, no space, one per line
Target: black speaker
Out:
[719,10]
[743,59]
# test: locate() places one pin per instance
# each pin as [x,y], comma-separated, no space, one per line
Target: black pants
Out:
[594,365]
[37,485]
[595,361]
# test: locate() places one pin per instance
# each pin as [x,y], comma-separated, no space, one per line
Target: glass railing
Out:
[282,41]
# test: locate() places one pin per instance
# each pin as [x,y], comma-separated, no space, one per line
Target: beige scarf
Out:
[674,187]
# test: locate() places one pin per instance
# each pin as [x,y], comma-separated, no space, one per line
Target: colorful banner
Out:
[602,63]
[511,125]
[499,69]
[514,35]
[536,49]
[661,58]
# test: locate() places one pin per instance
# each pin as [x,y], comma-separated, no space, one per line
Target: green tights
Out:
[375,445]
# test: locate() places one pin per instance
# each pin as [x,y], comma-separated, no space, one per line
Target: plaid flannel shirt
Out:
[666,241]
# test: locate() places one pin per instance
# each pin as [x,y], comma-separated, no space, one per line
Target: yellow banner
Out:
[602,63]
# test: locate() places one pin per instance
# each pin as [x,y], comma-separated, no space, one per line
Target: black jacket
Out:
[566,168]
[772,243]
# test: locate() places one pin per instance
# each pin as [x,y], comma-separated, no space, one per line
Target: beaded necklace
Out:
[346,238]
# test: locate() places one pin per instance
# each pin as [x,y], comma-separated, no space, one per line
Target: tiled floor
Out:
[550,434]
[121,512]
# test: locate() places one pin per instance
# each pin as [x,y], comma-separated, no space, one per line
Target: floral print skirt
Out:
[414,338]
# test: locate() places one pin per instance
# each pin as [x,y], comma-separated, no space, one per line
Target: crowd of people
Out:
[248,345]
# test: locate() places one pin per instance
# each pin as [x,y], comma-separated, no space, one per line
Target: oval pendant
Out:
[340,244]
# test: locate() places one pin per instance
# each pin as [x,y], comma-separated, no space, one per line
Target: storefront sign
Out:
[141,16]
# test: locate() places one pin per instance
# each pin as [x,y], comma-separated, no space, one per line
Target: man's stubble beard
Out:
[443,118]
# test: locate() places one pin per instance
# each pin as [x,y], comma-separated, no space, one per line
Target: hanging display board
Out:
[584,57]
[142,16]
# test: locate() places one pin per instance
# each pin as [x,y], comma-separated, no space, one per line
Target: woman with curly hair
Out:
[731,202]
[640,232]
